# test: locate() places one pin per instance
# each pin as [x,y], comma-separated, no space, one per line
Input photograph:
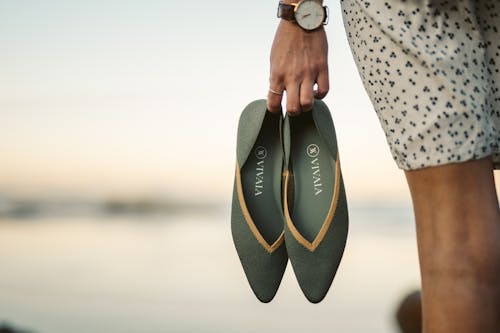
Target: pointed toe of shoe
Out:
[314,295]
[265,277]
[264,270]
[314,273]
[316,268]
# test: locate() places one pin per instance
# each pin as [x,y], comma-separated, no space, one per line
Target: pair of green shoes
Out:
[288,200]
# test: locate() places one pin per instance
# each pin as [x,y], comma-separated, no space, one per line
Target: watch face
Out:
[309,14]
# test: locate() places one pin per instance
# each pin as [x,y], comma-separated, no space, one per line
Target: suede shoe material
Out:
[257,221]
[315,204]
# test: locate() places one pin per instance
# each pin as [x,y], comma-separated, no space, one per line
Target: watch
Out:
[308,14]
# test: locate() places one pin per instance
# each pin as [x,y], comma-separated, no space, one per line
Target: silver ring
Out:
[276,92]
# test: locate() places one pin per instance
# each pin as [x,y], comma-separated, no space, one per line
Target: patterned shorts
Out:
[431,69]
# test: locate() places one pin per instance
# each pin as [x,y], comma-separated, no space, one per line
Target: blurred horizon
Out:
[131,271]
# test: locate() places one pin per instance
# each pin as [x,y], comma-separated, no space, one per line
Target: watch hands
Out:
[306,15]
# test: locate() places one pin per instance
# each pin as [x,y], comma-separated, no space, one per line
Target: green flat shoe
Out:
[315,204]
[257,221]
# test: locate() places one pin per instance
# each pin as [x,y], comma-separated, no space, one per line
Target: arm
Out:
[299,59]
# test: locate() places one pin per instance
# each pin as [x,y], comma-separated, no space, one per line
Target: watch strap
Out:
[286,11]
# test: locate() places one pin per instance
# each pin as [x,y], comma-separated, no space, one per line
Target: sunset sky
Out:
[143,97]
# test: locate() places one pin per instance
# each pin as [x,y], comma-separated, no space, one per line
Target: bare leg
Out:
[458,234]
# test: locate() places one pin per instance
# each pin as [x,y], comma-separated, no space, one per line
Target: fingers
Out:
[274,95]
[299,95]
[306,95]
[293,99]
[323,84]
[274,101]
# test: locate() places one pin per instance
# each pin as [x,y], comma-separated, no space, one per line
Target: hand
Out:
[299,59]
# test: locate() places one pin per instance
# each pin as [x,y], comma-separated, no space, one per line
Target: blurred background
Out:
[117,149]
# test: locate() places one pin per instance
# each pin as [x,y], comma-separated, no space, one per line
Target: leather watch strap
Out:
[286,11]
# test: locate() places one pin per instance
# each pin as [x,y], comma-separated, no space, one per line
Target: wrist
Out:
[289,2]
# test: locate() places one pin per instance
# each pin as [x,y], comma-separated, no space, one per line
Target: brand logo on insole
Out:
[313,151]
[261,153]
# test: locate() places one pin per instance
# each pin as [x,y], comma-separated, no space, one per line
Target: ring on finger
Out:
[276,92]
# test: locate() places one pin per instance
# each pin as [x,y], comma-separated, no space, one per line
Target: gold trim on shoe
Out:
[246,214]
[329,217]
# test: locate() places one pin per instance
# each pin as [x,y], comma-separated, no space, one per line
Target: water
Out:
[180,273]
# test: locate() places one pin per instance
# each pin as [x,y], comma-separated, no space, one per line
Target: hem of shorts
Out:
[494,153]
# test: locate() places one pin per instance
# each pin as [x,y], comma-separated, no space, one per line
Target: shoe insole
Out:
[261,180]
[314,176]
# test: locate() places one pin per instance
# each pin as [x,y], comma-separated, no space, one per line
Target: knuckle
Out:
[273,77]
[294,75]
[272,104]
[307,103]
[297,76]
[293,110]
[323,91]
[276,76]
[272,101]
[319,67]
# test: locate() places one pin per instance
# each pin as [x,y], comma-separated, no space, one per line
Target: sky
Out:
[143,97]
